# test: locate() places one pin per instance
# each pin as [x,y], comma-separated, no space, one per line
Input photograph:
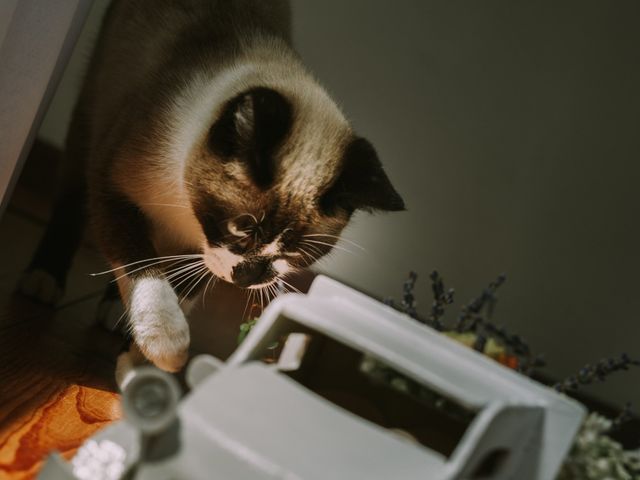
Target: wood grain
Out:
[56,385]
[62,422]
[56,365]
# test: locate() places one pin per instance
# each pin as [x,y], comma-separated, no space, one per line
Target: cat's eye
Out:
[245,242]
[287,235]
[242,225]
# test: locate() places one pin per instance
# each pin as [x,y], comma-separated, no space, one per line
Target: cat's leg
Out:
[113,316]
[155,320]
[45,277]
[157,323]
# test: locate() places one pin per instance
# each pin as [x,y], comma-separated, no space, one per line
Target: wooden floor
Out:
[57,365]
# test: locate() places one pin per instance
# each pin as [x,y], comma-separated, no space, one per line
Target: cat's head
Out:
[275,181]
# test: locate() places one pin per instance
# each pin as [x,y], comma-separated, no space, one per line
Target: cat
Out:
[200,146]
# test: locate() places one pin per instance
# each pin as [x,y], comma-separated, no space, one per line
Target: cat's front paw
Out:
[158,325]
[41,286]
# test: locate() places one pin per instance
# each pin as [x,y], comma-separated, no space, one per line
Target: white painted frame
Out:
[36,41]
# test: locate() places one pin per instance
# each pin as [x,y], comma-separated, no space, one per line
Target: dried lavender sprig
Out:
[514,344]
[408,303]
[441,298]
[596,373]
[408,299]
[530,364]
[470,315]
[492,299]
[471,318]
[480,343]
[625,415]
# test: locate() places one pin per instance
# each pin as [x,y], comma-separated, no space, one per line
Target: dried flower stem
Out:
[596,373]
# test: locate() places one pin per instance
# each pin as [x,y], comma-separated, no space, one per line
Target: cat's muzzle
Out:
[253,272]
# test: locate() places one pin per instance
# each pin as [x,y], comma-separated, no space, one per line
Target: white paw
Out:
[112,315]
[40,286]
[158,325]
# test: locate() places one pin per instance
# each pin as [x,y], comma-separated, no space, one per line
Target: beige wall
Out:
[55,123]
[511,129]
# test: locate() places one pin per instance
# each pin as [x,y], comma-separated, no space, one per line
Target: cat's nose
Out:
[252,272]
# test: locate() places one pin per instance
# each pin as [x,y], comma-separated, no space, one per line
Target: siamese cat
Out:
[201,147]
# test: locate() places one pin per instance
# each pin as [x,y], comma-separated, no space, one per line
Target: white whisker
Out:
[307,254]
[142,268]
[254,301]
[272,291]
[287,284]
[246,305]
[186,295]
[204,293]
[167,258]
[193,279]
[172,271]
[313,248]
[337,247]
[179,271]
[338,238]
[165,205]
[122,316]
[192,274]
[261,299]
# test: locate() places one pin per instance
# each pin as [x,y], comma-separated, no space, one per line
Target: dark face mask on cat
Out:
[272,198]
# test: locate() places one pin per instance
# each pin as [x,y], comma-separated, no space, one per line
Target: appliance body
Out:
[264,414]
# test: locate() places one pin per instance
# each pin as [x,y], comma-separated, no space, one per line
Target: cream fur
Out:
[158,324]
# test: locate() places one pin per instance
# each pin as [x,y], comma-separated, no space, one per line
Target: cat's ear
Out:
[250,129]
[362,183]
